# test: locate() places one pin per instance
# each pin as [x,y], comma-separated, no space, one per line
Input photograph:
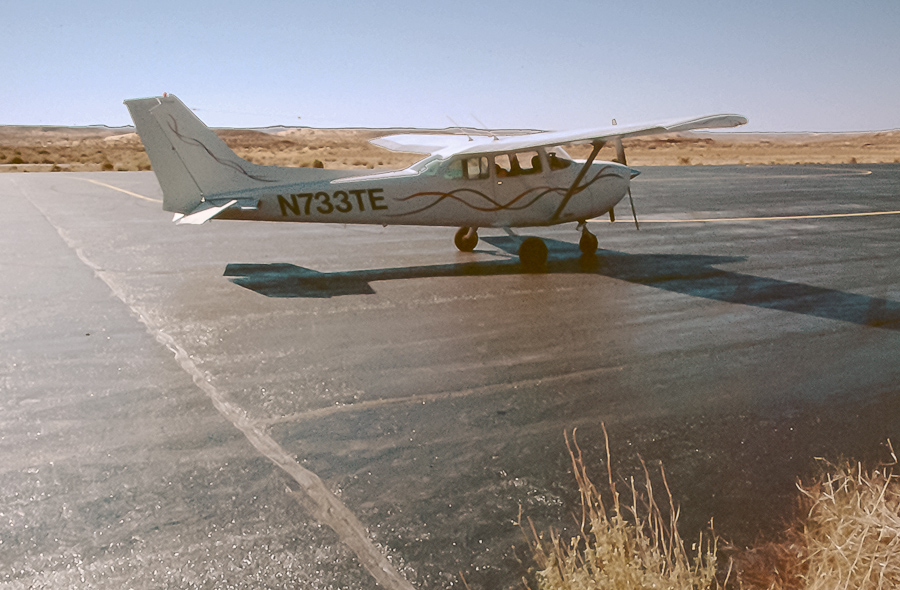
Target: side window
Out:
[528,162]
[477,168]
[454,170]
[502,166]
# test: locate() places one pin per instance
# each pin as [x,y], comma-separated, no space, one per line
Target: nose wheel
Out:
[588,243]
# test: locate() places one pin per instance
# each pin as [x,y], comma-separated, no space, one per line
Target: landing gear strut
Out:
[466,238]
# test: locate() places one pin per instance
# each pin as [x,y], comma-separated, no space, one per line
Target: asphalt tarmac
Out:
[283,405]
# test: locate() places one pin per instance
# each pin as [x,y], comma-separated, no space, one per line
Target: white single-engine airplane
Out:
[468,182]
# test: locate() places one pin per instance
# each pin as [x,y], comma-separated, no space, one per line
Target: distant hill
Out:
[41,148]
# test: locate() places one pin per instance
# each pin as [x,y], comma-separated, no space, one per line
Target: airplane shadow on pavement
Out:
[694,275]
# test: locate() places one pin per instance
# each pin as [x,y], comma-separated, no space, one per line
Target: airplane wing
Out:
[448,145]
[425,143]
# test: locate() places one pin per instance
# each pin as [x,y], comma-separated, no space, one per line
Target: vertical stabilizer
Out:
[180,192]
[191,162]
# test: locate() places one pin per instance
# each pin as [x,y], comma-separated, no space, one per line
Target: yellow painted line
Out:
[776,176]
[121,190]
[771,218]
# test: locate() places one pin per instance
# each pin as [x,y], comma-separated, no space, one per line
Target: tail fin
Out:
[181,193]
[191,163]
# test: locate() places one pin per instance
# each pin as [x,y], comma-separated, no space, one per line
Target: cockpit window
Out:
[528,162]
[517,164]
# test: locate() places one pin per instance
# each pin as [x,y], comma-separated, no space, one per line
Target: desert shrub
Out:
[107,166]
[17,160]
[623,545]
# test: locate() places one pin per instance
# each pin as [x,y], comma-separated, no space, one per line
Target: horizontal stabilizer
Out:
[204,213]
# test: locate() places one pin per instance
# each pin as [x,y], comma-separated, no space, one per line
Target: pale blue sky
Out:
[789,66]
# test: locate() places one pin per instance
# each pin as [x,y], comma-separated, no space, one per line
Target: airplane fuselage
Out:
[431,198]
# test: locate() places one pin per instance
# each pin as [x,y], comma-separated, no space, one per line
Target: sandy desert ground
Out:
[34,149]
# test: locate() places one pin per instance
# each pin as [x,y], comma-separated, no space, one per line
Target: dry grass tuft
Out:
[770,566]
[852,533]
[847,538]
[625,545]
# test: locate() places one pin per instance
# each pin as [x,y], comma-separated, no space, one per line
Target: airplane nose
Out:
[626,171]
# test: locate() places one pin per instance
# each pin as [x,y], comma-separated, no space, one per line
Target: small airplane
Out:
[467,182]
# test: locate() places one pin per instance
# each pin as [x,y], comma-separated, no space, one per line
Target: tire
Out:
[588,243]
[463,243]
[533,253]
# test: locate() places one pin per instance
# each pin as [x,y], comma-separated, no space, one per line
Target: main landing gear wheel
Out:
[466,239]
[588,243]
[533,253]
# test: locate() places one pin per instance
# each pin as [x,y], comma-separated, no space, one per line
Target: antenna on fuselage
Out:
[455,124]
[491,133]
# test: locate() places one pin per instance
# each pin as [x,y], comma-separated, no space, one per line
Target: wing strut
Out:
[620,156]
[574,188]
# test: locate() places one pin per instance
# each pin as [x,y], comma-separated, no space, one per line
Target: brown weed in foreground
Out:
[852,533]
[628,545]
[848,540]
